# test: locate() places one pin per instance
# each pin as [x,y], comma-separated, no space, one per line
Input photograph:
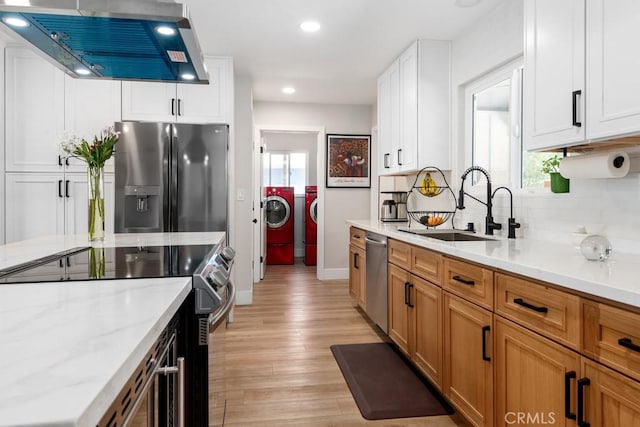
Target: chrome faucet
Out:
[490,225]
[512,221]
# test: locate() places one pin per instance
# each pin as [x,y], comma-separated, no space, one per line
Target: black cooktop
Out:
[110,263]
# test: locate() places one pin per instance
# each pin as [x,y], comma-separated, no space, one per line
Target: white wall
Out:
[604,206]
[242,234]
[341,204]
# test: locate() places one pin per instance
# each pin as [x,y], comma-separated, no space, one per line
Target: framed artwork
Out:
[348,161]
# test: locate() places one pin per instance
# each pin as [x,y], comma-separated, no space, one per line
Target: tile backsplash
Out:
[610,207]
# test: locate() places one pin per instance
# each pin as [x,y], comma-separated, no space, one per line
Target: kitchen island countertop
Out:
[69,347]
[615,279]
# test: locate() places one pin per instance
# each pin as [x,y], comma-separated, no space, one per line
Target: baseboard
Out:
[244,297]
[333,274]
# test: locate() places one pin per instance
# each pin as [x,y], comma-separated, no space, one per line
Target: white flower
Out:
[68,143]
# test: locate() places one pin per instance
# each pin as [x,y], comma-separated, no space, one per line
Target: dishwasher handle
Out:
[375,242]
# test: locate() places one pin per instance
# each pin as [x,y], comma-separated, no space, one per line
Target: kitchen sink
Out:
[448,235]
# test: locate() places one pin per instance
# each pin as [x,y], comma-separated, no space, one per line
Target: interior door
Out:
[259,211]
[263,212]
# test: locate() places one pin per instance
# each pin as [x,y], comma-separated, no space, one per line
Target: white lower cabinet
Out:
[49,204]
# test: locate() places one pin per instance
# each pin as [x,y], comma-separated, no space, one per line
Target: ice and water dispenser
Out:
[142,208]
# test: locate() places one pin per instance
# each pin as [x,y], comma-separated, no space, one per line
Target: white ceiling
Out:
[340,63]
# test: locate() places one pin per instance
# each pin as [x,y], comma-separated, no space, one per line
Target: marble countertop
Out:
[561,264]
[69,347]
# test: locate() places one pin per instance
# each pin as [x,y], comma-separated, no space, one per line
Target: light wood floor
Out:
[278,368]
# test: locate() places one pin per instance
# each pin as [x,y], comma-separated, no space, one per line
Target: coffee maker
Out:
[394,206]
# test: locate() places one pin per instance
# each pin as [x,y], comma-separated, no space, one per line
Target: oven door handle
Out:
[222,314]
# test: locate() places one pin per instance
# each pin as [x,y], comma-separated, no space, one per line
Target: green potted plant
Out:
[559,184]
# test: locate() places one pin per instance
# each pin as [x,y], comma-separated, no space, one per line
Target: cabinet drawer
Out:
[399,253]
[357,237]
[469,281]
[548,311]
[426,264]
[612,336]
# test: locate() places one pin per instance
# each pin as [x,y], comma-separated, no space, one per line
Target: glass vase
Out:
[96,203]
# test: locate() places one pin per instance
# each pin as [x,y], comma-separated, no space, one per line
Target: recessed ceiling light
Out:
[165,31]
[289,90]
[310,26]
[15,22]
[187,76]
[82,71]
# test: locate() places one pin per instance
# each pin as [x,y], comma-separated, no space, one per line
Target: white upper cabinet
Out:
[34,111]
[554,84]
[408,144]
[414,109]
[388,119]
[182,103]
[580,81]
[42,103]
[90,106]
[613,64]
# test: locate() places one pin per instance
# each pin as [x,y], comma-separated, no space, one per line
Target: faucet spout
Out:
[512,221]
[490,225]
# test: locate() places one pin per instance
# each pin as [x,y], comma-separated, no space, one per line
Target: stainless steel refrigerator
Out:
[171,177]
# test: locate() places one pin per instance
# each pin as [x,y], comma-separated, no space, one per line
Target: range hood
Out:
[111,39]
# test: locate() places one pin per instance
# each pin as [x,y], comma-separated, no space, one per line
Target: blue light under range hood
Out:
[111,39]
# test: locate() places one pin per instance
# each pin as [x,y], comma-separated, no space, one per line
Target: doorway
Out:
[289,156]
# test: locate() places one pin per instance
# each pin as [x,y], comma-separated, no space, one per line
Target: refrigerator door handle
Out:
[174,193]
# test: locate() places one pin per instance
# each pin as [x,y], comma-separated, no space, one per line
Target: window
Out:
[494,130]
[283,169]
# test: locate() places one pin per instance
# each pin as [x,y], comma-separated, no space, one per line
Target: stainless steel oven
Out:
[155,393]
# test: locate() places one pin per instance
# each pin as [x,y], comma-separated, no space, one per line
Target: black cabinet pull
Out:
[466,282]
[61,264]
[68,261]
[409,297]
[355,261]
[571,375]
[523,303]
[173,106]
[574,98]
[66,189]
[60,188]
[485,329]
[179,106]
[386,161]
[66,161]
[582,383]
[59,160]
[626,342]
[406,293]
[399,151]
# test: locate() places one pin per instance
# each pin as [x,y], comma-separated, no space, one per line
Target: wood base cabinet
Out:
[415,321]
[535,378]
[609,399]
[426,321]
[398,285]
[357,275]
[468,362]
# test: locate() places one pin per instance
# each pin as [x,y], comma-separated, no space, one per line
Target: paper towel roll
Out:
[614,164]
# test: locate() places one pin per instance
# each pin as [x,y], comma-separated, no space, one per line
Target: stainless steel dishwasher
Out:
[376,245]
